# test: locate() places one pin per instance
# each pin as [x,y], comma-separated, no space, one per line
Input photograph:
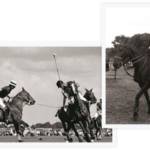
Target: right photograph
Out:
[127,60]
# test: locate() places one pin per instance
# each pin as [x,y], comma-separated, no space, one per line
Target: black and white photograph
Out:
[51,94]
[127,51]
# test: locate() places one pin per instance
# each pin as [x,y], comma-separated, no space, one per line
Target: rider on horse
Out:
[4,92]
[69,90]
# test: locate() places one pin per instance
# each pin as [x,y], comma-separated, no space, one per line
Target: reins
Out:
[134,62]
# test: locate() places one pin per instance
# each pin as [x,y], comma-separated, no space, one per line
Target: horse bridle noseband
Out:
[27,103]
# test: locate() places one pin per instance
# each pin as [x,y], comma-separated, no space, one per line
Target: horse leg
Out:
[76,133]
[99,136]
[148,100]
[88,139]
[27,126]
[67,131]
[136,107]
[16,125]
[90,127]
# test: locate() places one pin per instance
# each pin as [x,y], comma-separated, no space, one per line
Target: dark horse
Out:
[98,126]
[141,61]
[16,108]
[65,117]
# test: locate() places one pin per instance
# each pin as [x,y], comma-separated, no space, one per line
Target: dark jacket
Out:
[99,106]
[68,88]
[5,91]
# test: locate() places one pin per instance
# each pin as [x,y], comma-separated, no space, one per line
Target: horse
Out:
[15,115]
[65,117]
[98,126]
[141,61]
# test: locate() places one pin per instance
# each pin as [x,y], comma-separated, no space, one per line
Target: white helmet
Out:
[13,83]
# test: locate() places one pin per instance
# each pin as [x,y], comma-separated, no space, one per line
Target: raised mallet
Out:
[56,64]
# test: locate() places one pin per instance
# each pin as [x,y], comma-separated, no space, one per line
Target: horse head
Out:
[122,53]
[89,95]
[27,98]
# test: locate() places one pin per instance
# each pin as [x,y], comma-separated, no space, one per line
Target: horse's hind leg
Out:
[136,107]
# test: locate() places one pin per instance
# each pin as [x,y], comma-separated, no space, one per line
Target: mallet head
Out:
[54,54]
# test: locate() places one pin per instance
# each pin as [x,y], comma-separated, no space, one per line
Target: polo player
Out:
[69,92]
[4,92]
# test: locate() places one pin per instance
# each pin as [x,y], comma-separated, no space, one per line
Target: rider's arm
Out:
[73,88]
[8,96]
[64,98]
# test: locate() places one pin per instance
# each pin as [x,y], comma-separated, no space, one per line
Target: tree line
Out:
[140,41]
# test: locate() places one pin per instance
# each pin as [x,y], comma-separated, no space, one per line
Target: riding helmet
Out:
[13,83]
[59,83]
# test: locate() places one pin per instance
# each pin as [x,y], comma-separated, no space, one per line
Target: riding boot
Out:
[6,112]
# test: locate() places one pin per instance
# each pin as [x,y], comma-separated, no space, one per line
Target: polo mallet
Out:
[56,64]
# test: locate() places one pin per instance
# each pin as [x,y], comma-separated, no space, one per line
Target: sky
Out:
[125,20]
[34,69]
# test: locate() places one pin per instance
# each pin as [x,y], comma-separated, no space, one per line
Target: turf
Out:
[120,99]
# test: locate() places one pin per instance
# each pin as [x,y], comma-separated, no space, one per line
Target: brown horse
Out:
[141,61]
[66,117]
[16,108]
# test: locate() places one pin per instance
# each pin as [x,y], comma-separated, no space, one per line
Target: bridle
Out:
[132,60]
[27,102]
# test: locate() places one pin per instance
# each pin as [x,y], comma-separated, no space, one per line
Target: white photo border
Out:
[104,6]
[57,144]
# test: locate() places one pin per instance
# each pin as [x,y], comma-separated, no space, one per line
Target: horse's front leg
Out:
[27,126]
[76,133]
[67,131]
[148,100]
[16,125]
[90,126]
[136,107]
[88,139]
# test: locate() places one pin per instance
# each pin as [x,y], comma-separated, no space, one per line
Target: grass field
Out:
[120,99]
[47,139]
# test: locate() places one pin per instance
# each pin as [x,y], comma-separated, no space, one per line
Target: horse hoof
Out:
[32,134]
[135,117]
[92,141]
[20,140]
[70,140]
[40,139]
[93,137]
[99,138]
[67,141]
[80,140]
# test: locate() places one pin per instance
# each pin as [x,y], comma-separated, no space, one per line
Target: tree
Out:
[121,39]
[140,41]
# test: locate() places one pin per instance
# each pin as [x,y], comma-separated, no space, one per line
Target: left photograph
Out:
[51,94]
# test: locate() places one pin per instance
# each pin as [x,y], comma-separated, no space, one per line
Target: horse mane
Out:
[135,48]
[16,96]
